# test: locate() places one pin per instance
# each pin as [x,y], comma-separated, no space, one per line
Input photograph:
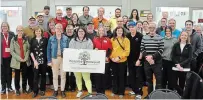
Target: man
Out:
[85,18]
[90,30]
[46,15]
[60,19]
[135,73]
[151,51]
[150,18]
[40,20]
[113,20]
[164,15]
[70,31]
[69,15]
[120,24]
[162,27]
[196,43]
[29,33]
[29,30]
[100,20]
[175,32]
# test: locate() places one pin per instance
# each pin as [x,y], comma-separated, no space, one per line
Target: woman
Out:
[51,28]
[38,54]
[181,57]
[20,50]
[139,26]
[167,72]
[75,21]
[134,15]
[102,43]
[82,42]
[145,28]
[56,45]
[108,30]
[120,52]
[6,71]
[125,21]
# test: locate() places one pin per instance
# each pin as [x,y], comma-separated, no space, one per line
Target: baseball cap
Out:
[46,7]
[32,18]
[131,23]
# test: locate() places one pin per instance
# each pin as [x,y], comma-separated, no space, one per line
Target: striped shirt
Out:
[152,45]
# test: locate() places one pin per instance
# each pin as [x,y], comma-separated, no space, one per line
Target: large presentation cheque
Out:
[83,60]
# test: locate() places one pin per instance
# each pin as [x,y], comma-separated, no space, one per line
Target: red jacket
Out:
[103,43]
[63,21]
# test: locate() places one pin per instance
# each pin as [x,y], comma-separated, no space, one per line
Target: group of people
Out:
[141,48]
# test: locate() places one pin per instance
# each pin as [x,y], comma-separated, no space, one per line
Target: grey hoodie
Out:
[196,43]
[168,45]
[78,44]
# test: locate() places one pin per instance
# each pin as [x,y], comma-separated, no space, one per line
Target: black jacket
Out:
[183,58]
[193,87]
[39,49]
[135,43]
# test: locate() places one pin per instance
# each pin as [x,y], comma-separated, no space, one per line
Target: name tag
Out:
[7,49]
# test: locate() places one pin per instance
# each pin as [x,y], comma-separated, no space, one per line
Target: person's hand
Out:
[137,63]
[96,49]
[22,60]
[113,59]
[149,57]
[107,59]
[179,67]
[117,59]
[49,64]
[36,64]
[151,62]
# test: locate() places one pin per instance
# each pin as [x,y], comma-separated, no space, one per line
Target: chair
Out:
[164,94]
[95,96]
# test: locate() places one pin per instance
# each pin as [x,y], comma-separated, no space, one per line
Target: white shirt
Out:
[182,45]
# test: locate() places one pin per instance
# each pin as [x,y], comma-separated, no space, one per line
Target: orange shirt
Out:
[96,22]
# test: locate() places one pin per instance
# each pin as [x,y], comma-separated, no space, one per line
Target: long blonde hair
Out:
[102,27]
[188,37]
[6,24]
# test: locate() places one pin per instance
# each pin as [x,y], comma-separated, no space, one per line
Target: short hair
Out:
[189,21]
[199,27]
[139,22]
[145,22]
[125,16]
[172,19]
[150,14]
[6,24]
[99,9]
[59,24]
[69,25]
[164,19]
[117,9]
[85,7]
[37,28]
[21,26]
[188,37]
[59,10]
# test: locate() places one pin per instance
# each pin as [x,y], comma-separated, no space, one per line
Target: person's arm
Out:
[158,54]
[126,51]
[142,49]
[108,53]
[12,50]
[49,51]
[90,44]
[173,54]
[199,47]
[188,60]
[28,51]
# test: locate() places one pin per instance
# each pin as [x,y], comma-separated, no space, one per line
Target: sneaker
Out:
[63,94]
[29,90]
[3,91]
[10,89]
[42,93]
[120,96]
[17,92]
[112,94]
[79,94]
[90,95]
[131,93]
[24,91]
[52,87]
[55,93]
[34,95]
[138,97]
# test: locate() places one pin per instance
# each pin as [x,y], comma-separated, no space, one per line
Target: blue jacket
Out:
[53,46]
[175,33]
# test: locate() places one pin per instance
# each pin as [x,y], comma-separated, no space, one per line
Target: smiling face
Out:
[58,29]
[168,32]
[38,32]
[134,14]
[101,31]
[19,30]
[145,25]
[184,37]
[81,33]
[172,24]
[118,13]
[119,32]
[4,27]
[188,26]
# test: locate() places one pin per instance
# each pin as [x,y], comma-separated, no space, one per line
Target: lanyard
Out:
[6,39]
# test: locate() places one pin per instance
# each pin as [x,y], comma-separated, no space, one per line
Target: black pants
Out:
[180,81]
[119,77]
[70,81]
[41,70]
[155,69]
[23,68]
[50,75]
[199,61]
[108,74]
[6,73]
[193,65]
[101,80]
[30,76]
[168,75]
[135,77]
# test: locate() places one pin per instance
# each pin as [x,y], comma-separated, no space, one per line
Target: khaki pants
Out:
[56,65]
